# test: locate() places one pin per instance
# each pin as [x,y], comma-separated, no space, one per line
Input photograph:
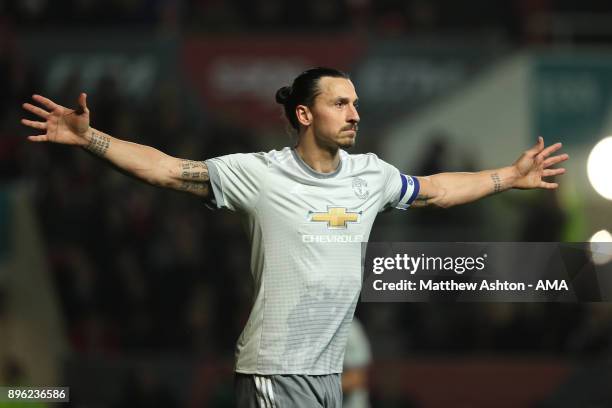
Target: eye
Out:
[339,104]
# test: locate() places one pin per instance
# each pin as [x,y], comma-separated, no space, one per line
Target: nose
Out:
[353,115]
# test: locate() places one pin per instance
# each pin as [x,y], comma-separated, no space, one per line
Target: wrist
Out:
[97,142]
[510,175]
[86,137]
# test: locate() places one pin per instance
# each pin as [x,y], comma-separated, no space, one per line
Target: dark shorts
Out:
[288,391]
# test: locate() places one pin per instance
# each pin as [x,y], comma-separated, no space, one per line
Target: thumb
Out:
[82,104]
[538,147]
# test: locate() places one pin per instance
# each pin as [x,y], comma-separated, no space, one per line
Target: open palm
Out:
[535,163]
[60,125]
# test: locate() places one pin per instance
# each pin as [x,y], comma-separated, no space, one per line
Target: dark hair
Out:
[303,91]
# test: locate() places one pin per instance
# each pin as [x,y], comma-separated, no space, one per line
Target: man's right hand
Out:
[61,125]
[71,127]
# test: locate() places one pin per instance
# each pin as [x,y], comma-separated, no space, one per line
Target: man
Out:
[306,210]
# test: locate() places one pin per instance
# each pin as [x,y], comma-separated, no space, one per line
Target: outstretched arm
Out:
[71,127]
[450,189]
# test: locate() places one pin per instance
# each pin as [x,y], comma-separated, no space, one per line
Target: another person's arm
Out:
[450,189]
[354,379]
[71,127]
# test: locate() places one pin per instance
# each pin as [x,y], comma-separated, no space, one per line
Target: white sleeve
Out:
[237,180]
[400,190]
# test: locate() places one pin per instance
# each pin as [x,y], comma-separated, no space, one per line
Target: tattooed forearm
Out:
[194,187]
[193,177]
[98,144]
[194,170]
[497,186]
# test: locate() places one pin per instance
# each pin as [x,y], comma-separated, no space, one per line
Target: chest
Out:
[324,210]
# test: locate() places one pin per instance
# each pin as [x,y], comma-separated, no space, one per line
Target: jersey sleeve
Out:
[237,180]
[400,190]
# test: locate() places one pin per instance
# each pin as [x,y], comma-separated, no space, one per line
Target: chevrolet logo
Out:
[335,217]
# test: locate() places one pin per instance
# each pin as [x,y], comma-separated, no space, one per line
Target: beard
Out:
[346,143]
[340,140]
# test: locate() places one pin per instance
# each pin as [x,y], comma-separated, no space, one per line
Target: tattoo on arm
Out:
[194,177]
[98,144]
[194,170]
[193,187]
[497,186]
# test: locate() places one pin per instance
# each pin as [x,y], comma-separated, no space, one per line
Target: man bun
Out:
[283,95]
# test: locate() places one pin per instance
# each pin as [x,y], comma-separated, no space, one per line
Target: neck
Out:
[323,159]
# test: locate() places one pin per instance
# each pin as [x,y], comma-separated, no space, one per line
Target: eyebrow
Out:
[344,99]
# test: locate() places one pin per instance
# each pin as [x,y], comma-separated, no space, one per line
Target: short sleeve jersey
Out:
[306,230]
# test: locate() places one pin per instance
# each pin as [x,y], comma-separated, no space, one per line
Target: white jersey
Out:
[305,230]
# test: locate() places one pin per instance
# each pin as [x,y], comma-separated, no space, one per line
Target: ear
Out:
[304,115]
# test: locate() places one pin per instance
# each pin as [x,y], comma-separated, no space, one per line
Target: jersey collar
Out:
[313,172]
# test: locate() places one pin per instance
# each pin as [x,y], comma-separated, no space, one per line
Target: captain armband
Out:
[409,192]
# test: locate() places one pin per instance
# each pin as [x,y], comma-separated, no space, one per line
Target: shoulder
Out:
[278,156]
[365,162]
[360,157]
[243,159]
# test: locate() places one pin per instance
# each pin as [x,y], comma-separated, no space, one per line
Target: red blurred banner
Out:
[237,77]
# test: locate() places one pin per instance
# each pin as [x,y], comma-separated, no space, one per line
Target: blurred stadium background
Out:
[134,296]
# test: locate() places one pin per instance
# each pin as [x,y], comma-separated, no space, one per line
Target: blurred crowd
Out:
[517,20]
[141,269]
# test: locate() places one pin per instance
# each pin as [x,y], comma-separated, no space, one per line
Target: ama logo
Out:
[552,285]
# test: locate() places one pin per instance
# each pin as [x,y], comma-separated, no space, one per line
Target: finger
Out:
[538,146]
[82,104]
[34,124]
[83,101]
[550,149]
[552,172]
[38,138]
[554,160]
[49,104]
[36,110]
[548,186]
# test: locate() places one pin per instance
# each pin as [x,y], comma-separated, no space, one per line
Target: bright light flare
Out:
[599,167]
[601,247]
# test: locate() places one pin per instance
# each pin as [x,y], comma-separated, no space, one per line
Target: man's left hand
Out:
[534,165]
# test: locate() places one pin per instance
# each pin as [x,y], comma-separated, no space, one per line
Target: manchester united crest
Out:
[360,188]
